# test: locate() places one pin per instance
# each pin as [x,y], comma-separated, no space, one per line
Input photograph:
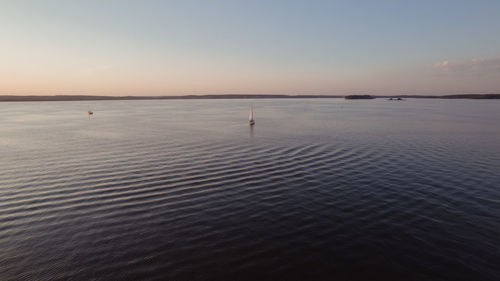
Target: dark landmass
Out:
[359,97]
[14,98]
[11,98]
[464,96]
[486,96]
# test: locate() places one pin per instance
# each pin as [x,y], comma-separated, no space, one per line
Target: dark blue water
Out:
[186,190]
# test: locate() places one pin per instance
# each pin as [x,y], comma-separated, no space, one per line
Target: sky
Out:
[110,47]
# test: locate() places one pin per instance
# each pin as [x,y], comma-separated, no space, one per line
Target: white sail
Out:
[250,116]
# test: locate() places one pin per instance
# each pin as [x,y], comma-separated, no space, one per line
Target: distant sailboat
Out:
[90,112]
[250,117]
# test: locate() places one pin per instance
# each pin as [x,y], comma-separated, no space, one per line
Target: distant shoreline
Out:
[14,98]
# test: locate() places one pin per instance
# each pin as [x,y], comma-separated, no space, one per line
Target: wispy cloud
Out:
[477,65]
[95,69]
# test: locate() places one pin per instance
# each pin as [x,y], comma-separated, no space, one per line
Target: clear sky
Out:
[109,47]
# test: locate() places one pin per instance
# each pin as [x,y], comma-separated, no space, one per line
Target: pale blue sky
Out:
[198,47]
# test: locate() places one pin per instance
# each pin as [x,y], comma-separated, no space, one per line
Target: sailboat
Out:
[250,117]
[90,112]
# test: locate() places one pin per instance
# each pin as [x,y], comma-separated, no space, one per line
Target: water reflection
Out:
[251,130]
[173,190]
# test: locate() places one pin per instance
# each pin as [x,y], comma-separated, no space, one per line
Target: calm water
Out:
[186,190]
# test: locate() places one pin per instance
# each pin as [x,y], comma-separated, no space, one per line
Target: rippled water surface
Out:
[186,190]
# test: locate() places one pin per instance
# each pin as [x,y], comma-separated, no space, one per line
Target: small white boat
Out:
[90,112]
[250,117]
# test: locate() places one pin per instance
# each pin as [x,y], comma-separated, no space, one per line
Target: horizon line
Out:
[71,97]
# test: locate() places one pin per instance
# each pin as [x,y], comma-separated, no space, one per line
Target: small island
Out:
[359,97]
